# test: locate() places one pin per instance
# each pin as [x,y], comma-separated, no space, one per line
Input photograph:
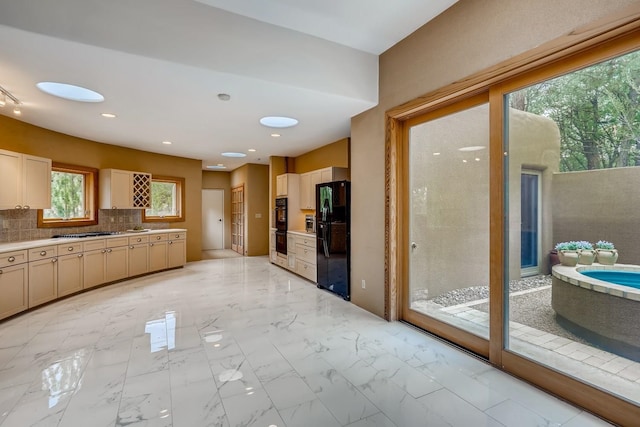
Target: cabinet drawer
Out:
[118,241]
[12,258]
[138,239]
[178,236]
[306,270]
[92,245]
[158,237]
[305,253]
[70,248]
[43,252]
[306,241]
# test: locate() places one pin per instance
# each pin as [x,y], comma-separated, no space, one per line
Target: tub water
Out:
[625,278]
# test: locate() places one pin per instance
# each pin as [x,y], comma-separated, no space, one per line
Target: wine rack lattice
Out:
[141,190]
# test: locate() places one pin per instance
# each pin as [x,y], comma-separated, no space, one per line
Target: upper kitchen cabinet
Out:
[287,184]
[121,189]
[26,181]
[309,180]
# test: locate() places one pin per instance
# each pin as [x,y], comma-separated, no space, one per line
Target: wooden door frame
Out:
[607,38]
[234,190]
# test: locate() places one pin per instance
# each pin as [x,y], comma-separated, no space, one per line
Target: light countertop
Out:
[301,233]
[29,244]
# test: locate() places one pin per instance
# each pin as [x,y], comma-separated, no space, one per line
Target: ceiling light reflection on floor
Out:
[230,375]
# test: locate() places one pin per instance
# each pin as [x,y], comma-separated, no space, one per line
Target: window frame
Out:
[180,195]
[90,201]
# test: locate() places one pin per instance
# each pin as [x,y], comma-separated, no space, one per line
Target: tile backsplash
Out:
[19,225]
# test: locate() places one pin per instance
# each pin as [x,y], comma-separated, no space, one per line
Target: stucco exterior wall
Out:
[470,36]
[599,205]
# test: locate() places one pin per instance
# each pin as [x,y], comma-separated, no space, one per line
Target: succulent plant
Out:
[603,244]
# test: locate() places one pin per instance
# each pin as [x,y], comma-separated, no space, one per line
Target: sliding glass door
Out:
[448,223]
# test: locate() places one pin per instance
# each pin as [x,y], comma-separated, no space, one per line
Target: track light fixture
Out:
[4,94]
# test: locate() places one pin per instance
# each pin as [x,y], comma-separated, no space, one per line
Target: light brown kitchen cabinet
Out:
[14,273]
[291,252]
[120,189]
[26,181]
[306,257]
[333,174]
[308,182]
[43,275]
[176,249]
[138,255]
[116,260]
[70,269]
[287,184]
[93,263]
[273,254]
[158,252]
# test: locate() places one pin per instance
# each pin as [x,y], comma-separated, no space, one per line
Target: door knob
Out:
[414,245]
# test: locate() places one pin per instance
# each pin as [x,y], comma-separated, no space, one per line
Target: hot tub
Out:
[588,301]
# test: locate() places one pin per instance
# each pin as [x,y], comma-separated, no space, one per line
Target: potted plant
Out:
[586,253]
[606,252]
[568,253]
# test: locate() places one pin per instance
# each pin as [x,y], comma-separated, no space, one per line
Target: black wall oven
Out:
[281,225]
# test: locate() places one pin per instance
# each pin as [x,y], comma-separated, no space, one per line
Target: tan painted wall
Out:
[255,179]
[222,181]
[24,138]
[595,205]
[335,154]
[471,36]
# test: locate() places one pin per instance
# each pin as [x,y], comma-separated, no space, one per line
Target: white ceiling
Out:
[161,63]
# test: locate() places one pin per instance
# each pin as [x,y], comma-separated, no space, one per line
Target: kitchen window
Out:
[73,197]
[167,200]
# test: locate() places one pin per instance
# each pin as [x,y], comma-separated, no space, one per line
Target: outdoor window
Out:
[167,200]
[73,197]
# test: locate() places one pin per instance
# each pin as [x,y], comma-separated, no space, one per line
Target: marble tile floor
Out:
[240,342]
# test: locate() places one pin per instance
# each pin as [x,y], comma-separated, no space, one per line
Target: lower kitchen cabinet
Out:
[158,255]
[116,263]
[43,281]
[138,259]
[70,273]
[177,250]
[13,288]
[29,278]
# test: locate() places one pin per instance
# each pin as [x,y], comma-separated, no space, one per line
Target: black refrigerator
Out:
[333,217]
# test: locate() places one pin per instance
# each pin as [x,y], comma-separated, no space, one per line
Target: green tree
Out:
[597,110]
[162,198]
[67,196]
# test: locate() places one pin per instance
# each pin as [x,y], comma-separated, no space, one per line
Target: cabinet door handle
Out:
[114,207]
[139,240]
[130,247]
[177,236]
[18,207]
[171,242]
[11,259]
[150,244]
[109,250]
[43,253]
[158,238]
[54,260]
[104,251]
[80,255]
[26,207]
[70,248]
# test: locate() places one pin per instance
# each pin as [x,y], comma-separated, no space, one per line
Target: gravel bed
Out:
[475,293]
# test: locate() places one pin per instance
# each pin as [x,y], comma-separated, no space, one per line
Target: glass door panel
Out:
[582,132]
[448,232]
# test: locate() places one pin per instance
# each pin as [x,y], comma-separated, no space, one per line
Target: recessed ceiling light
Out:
[108,115]
[252,150]
[278,122]
[436,154]
[232,154]
[216,167]
[167,142]
[472,148]
[275,135]
[71,92]
[224,96]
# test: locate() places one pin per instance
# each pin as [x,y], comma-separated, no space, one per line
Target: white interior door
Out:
[212,219]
